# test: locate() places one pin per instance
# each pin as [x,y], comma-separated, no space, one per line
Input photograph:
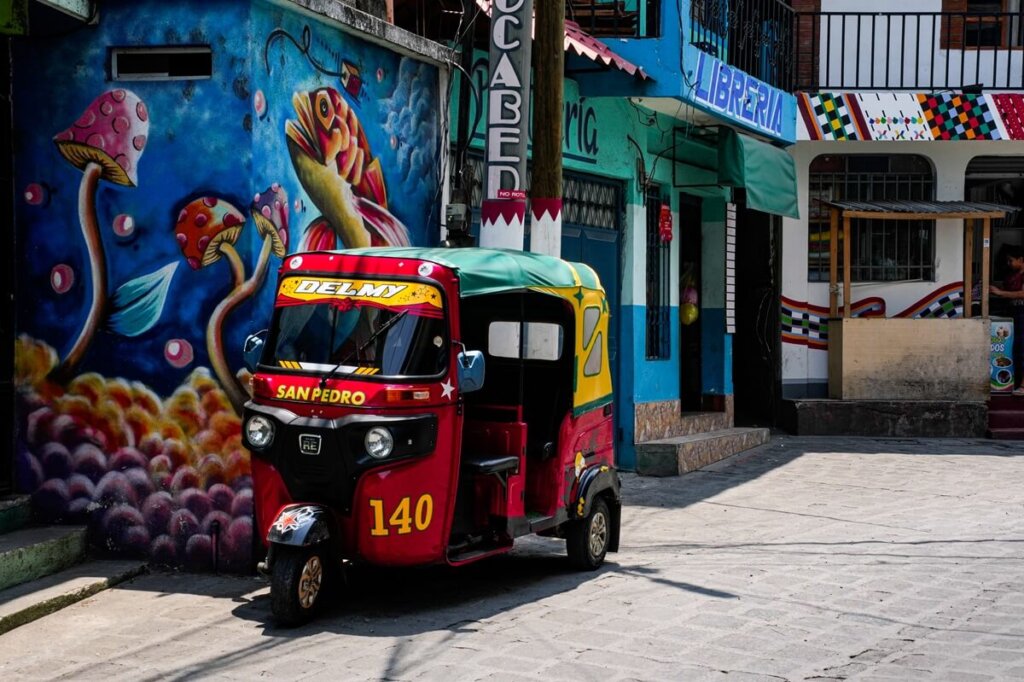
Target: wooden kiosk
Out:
[878,358]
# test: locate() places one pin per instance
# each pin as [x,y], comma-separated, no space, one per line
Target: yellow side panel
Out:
[592,373]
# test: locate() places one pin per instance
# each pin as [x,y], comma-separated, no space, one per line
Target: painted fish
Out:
[333,162]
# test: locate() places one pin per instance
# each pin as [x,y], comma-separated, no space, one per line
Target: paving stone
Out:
[807,558]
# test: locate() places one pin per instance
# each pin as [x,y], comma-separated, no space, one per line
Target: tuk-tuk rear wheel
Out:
[296,584]
[586,540]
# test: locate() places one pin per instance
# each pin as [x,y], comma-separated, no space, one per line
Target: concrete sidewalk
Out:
[807,558]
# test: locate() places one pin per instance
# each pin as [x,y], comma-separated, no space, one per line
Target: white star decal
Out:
[447,389]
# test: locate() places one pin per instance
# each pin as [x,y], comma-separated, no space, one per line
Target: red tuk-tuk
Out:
[377,436]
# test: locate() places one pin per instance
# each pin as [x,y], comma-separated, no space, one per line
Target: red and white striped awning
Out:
[587,46]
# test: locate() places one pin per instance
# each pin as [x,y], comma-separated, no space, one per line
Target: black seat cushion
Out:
[481,464]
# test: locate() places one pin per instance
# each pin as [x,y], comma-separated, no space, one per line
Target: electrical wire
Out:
[442,153]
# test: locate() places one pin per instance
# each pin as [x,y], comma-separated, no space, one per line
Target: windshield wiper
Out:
[359,349]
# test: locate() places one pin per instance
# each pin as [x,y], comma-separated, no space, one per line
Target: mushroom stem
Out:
[214,328]
[97,265]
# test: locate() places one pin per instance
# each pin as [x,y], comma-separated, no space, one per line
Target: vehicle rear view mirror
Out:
[252,351]
[471,370]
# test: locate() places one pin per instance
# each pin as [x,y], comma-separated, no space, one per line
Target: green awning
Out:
[767,173]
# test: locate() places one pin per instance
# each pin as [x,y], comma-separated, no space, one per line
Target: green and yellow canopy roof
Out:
[494,271]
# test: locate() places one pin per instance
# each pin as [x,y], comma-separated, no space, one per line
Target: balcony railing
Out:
[753,35]
[917,51]
[616,18]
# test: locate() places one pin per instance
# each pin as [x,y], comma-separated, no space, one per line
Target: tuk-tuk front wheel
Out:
[296,584]
[586,540]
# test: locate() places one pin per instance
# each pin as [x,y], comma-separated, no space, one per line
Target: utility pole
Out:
[546,189]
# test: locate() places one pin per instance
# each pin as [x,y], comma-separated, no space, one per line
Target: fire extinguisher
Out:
[665,223]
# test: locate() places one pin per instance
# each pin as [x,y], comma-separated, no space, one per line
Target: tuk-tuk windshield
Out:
[360,327]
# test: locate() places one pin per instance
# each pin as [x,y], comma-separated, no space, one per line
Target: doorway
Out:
[755,349]
[6,274]
[691,382]
[997,180]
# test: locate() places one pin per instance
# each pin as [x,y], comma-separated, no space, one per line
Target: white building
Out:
[926,103]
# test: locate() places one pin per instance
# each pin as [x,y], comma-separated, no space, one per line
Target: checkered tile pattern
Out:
[949,306]
[833,117]
[959,117]
[803,324]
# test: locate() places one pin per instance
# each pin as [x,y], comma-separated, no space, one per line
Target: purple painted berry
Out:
[56,460]
[157,510]
[222,497]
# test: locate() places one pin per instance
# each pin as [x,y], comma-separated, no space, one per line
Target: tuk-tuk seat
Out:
[491,465]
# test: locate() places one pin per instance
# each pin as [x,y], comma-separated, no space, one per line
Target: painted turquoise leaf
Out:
[137,305]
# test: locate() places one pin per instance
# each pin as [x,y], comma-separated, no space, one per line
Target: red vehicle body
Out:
[471,462]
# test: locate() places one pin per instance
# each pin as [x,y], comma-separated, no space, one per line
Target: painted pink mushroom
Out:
[106,143]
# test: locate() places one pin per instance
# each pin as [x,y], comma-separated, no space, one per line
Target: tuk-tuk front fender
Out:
[601,481]
[301,525]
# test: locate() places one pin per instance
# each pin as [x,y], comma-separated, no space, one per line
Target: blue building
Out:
[674,185]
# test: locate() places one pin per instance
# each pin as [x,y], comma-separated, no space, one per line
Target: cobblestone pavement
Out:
[802,559]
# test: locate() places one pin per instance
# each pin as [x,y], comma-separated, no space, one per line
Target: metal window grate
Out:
[882,250]
[658,283]
[586,201]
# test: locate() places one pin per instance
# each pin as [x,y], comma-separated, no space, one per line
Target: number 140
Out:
[404,518]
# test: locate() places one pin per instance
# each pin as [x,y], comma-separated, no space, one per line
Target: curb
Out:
[57,602]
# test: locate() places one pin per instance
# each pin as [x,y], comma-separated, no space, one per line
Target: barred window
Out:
[882,250]
[658,283]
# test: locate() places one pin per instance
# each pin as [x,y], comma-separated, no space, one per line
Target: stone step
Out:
[1005,401]
[682,454]
[1006,434]
[29,601]
[32,553]
[1006,419]
[15,512]
[670,425]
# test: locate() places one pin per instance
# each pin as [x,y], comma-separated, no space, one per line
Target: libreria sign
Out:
[732,92]
[507,104]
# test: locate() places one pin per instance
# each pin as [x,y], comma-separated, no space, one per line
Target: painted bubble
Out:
[394,142]
[380,74]
[295,262]
[178,352]
[124,225]
[259,103]
[36,194]
[299,206]
[62,278]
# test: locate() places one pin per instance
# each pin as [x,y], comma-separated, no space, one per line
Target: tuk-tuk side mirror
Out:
[252,351]
[471,370]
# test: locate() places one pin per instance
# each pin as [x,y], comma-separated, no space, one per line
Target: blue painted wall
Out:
[681,71]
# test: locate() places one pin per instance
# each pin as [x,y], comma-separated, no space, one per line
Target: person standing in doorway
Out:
[1013,289]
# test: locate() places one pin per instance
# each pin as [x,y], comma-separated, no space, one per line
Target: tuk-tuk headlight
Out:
[378,442]
[259,431]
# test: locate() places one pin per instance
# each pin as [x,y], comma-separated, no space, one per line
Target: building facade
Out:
[921,104]
[158,189]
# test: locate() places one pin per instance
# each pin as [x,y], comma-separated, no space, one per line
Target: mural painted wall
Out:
[150,216]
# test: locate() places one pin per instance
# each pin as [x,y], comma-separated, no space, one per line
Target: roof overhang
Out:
[921,210]
[582,44]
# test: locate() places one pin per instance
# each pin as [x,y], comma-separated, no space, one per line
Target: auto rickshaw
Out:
[377,436]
